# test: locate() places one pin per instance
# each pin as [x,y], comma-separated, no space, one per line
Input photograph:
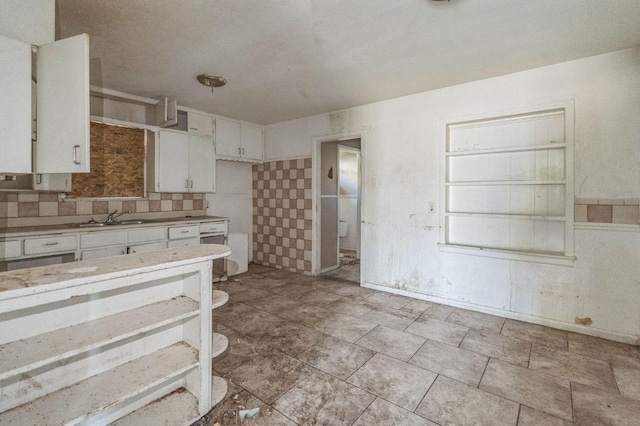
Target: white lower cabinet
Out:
[143,248]
[103,252]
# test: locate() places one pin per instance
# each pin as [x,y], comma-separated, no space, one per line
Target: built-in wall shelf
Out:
[506,149]
[505,182]
[506,216]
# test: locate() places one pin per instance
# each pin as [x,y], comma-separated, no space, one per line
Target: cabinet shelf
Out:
[108,391]
[219,344]
[178,408]
[507,216]
[22,356]
[506,182]
[218,298]
[505,149]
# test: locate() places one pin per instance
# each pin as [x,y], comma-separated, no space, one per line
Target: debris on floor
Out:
[247,414]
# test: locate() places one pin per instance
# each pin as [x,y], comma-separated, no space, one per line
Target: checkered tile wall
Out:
[282,214]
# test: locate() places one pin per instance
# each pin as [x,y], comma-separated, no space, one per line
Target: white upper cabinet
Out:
[199,124]
[252,142]
[15,106]
[63,106]
[202,164]
[166,113]
[183,163]
[239,141]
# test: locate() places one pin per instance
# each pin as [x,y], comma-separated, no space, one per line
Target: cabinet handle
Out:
[75,154]
[186,183]
[239,151]
[191,184]
[52,244]
[193,128]
[242,151]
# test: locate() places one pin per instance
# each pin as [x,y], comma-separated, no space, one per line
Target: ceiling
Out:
[286,59]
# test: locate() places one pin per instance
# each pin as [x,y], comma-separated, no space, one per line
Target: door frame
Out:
[316,156]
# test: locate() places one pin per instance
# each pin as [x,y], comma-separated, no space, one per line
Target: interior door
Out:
[63,106]
[329,256]
[202,164]
[15,106]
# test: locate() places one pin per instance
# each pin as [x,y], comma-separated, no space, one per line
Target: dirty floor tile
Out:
[454,363]
[531,417]
[349,306]
[249,293]
[318,297]
[505,348]
[527,387]
[439,312]
[241,350]
[396,381]
[572,367]
[269,376]
[274,304]
[417,307]
[628,380]
[605,350]
[477,320]
[288,338]
[391,318]
[328,285]
[593,406]
[344,327]
[337,357]
[382,412]
[451,402]
[388,300]
[394,343]
[226,412]
[259,282]
[535,333]
[293,291]
[322,399]
[354,291]
[442,331]
[255,323]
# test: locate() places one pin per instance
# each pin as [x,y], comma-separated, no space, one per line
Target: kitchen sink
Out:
[89,225]
[133,222]
[94,224]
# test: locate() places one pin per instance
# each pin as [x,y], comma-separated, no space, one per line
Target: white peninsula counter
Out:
[124,339]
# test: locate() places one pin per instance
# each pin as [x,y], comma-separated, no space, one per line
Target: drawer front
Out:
[179,232]
[50,245]
[147,234]
[184,243]
[9,249]
[213,227]
[103,252]
[102,239]
[143,248]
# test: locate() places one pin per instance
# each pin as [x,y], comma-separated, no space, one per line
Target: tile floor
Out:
[312,351]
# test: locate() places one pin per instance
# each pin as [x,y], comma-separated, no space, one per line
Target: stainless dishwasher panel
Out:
[219,265]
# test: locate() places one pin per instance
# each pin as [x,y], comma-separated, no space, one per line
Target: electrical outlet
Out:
[432,207]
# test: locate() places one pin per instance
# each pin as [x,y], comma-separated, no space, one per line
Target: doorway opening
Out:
[338,207]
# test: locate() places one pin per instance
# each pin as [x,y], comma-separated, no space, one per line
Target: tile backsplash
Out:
[607,210]
[33,208]
[282,214]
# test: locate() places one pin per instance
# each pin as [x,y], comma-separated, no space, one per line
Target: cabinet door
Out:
[200,124]
[202,164]
[166,112]
[172,162]
[52,182]
[63,106]
[15,106]
[227,138]
[252,142]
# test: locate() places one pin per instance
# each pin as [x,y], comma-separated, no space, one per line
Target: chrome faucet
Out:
[112,216]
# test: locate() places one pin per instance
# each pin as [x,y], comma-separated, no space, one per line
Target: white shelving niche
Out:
[98,342]
[508,186]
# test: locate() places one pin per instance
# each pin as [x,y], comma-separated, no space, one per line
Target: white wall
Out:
[401,176]
[30,21]
[233,197]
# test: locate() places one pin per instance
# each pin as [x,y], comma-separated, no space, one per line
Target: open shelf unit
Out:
[111,342]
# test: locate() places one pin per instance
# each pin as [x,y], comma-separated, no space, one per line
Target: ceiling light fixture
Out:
[211,81]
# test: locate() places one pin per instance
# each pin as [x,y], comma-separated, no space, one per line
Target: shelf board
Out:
[219,344]
[22,356]
[118,387]
[506,149]
[218,390]
[506,182]
[218,298]
[507,216]
[180,407]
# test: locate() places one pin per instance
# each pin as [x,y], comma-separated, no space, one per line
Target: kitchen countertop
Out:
[73,227]
[47,278]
